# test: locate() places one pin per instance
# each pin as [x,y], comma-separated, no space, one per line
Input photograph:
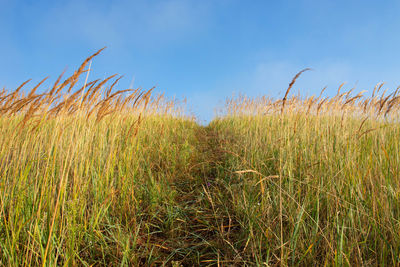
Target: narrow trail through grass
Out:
[202,243]
[207,230]
[103,177]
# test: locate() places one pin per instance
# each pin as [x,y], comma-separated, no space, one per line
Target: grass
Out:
[318,193]
[98,177]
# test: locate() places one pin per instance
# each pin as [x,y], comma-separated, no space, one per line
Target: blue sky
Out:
[205,50]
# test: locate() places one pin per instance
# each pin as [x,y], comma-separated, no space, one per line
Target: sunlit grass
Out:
[99,177]
[314,189]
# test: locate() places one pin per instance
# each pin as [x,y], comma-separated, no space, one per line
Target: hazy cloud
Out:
[123,22]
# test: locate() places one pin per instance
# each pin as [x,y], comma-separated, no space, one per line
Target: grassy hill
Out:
[99,177]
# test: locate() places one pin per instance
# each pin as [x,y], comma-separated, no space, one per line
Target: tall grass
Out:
[86,174]
[314,180]
[95,176]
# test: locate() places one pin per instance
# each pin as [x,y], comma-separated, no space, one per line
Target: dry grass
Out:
[95,176]
[335,198]
[85,173]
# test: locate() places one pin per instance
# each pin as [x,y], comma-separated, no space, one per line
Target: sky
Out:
[205,50]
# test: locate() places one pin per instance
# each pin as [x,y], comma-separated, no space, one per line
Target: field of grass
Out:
[99,177]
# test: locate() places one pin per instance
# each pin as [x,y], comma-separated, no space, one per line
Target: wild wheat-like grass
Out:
[336,197]
[82,172]
[97,176]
